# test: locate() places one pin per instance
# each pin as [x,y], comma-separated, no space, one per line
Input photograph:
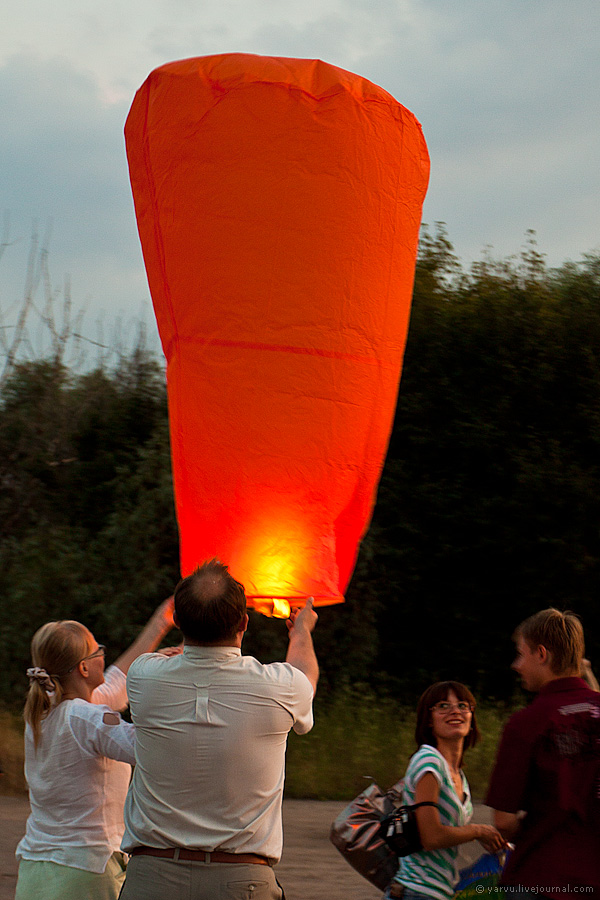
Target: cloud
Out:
[507,95]
[62,161]
[506,92]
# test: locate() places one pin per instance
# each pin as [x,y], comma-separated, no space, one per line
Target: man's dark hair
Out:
[210,604]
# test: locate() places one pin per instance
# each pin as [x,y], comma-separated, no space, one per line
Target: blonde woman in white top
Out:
[78,757]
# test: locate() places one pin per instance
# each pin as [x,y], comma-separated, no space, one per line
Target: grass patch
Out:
[359,737]
[11,754]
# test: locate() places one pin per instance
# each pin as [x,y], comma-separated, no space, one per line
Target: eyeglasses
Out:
[445,706]
[101,651]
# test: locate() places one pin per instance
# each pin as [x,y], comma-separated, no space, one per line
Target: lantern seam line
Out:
[279,348]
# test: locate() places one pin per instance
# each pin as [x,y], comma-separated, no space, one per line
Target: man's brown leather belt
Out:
[217,856]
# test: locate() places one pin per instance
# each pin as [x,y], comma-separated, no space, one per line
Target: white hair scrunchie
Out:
[41,676]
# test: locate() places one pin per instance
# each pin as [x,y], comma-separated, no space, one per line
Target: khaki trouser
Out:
[152,878]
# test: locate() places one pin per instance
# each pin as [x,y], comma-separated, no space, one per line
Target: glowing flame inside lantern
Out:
[275,551]
[273,606]
[277,557]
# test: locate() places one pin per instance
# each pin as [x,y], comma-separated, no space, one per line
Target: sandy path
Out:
[310,869]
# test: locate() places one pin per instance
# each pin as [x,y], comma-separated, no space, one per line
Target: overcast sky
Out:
[506,91]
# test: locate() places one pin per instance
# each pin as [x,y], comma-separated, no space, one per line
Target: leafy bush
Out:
[487,508]
[359,737]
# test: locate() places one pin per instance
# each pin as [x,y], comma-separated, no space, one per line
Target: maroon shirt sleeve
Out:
[508,785]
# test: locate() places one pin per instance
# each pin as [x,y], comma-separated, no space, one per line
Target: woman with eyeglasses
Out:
[446,727]
[78,758]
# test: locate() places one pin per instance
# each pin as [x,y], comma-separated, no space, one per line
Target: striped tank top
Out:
[434,872]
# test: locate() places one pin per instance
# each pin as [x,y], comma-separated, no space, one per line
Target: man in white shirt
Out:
[203,813]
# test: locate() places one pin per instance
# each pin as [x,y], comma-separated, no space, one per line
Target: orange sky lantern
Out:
[278,203]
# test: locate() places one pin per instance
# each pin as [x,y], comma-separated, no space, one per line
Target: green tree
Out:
[487,509]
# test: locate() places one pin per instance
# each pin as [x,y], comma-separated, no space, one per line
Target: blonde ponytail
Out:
[56,648]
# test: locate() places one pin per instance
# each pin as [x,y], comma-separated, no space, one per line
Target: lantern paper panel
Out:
[278,204]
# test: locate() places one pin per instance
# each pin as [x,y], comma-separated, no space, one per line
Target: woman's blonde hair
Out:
[56,647]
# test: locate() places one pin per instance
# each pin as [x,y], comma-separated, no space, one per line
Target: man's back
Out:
[211,731]
[549,765]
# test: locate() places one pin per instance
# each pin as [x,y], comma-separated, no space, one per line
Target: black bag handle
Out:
[400,829]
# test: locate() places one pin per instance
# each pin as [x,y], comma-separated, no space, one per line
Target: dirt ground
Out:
[310,869]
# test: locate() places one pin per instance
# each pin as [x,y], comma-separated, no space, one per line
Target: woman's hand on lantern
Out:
[163,615]
[159,624]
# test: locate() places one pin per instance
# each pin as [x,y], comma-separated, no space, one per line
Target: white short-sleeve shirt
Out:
[78,779]
[211,735]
